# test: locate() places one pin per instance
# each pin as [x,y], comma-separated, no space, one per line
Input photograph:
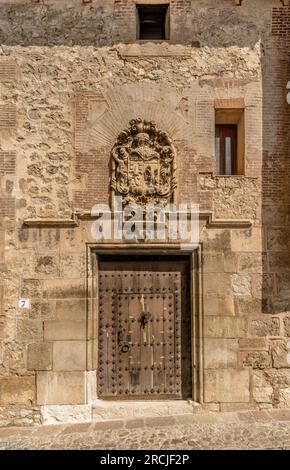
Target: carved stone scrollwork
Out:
[143,165]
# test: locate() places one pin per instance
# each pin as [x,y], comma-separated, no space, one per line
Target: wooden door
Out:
[144,328]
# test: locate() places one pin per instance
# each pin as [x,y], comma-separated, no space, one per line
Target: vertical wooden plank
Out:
[135,361]
[158,359]
[176,304]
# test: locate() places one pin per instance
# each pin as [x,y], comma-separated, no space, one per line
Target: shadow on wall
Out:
[276,175]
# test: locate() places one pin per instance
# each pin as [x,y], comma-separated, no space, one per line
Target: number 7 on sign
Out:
[24,303]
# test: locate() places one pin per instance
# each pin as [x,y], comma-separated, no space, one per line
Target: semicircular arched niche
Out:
[101,116]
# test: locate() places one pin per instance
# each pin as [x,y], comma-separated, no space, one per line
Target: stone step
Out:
[102,410]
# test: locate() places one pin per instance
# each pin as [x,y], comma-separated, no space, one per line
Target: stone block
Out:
[280,304]
[108,425]
[265,327]
[280,354]
[56,414]
[248,305]
[220,353]
[69,355]
[61,388]
[49,240]
[247,240]
[72,240]
[218,305]
[241,284]
[283,284]
[17,390]
[253,343]
[263,284]
[77,428]
[279,261]
[7,328]
[235,407]
[1,294]
[64,288]
[277,377]
[42,310]
[257,359]
[31,288]
[259,378]
[215,283]
[281,415]
[47,266]
[135,423]
[230,262]
[225,327]
[29,330]
[64,330]
[213,263]
[274,215]
[71,309]
[252,262]
[216,240]
[91,381]
[226,385]
[284,395]
[277,239]
[286,324]
[263,394]
[39,356]
[73,265]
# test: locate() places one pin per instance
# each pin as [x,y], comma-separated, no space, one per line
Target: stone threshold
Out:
[209,417]
[105,409]
[102,410]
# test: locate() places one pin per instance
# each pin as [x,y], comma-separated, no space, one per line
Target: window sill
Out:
[154,41]
[231,176]
[154,48]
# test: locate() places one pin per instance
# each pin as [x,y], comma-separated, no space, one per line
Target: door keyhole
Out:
[144,319]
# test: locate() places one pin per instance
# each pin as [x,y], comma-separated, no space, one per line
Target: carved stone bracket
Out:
[143,165]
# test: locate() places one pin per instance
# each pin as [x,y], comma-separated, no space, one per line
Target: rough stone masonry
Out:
[72,76]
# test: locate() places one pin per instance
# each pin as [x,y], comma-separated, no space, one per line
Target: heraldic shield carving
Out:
[143,163]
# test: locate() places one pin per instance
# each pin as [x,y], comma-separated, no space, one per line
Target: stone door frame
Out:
[93,251]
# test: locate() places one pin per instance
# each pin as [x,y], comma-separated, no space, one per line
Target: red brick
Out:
[49,430]
[107,425]
[281,415]
[15,432]
[81,427]
[246,416]
[261,415]
[160,421]
[135,423]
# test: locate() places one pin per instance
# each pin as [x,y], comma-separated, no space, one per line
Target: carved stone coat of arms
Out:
[143,163]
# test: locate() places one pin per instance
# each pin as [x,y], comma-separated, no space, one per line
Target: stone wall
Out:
[68,86]
[103,22]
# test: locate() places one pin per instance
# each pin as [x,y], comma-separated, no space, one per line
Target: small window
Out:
[226,149]
[153,22]
[229,141]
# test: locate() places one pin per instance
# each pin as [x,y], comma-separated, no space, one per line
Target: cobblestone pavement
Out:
[206,430]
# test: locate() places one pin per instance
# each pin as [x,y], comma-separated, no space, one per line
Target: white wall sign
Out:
[24,303]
